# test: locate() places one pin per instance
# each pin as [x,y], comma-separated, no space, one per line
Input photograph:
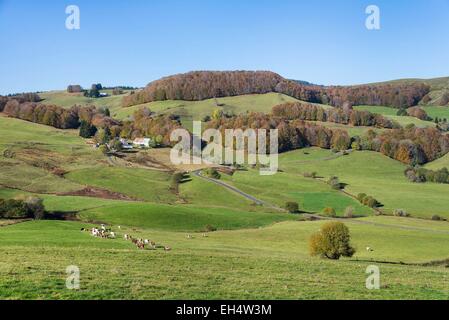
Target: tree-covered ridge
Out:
[410,145]
[291,134]
[200,85]
[346,115]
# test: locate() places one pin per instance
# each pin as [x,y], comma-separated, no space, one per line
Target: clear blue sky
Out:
[136,41]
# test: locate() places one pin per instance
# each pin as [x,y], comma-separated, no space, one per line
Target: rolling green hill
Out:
[64,99]
[258,251]
[438,87]
[197,110]
[391,113]
[264,263]
[376,175]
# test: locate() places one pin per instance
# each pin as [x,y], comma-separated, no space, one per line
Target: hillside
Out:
[265,246]
[197,110]
[262,263]
[200,85]
[439,89]
[64,99]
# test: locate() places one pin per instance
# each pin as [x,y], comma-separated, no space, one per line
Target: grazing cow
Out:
[189,236]
[112,235]
[146,241]
[204,235]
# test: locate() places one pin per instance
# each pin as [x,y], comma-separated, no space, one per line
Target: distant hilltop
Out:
[200,85]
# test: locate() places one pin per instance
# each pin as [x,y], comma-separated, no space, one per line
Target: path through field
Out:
[197,173]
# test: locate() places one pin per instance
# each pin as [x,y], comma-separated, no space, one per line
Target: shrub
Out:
[371,202]
[400,213]
[349,212]
[210,228]
[87,130]
[292,207]
[11,209]
[178,177]
[361,197]
[329,212]
[212,173]
[310,175]
[436,217]
[334,182]
[35,207]
[332,241]
[29,207]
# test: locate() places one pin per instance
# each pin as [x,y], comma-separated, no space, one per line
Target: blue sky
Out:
[134,42]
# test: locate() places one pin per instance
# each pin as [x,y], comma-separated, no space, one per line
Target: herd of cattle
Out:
[107,233]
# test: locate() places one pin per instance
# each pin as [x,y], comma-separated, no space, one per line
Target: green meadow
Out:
[196,110]
[376,175]
[256,252]
[264,263]
[64,99]
[391,113]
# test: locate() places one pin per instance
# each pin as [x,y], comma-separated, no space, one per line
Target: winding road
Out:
[197,173]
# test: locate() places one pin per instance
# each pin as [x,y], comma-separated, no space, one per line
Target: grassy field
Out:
[440,163]
[197,110]
[18,133]
[391,114]
[148,185]
[437,112]
[311,195]
[64,99]
[257,252]
[376,175]
[267,263]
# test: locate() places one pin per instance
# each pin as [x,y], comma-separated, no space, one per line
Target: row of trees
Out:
[421,175]
[200,85]
[55,116]
[291,134]
[21,98]
[410,145]
[50,115]
[346,115]
[393,95]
